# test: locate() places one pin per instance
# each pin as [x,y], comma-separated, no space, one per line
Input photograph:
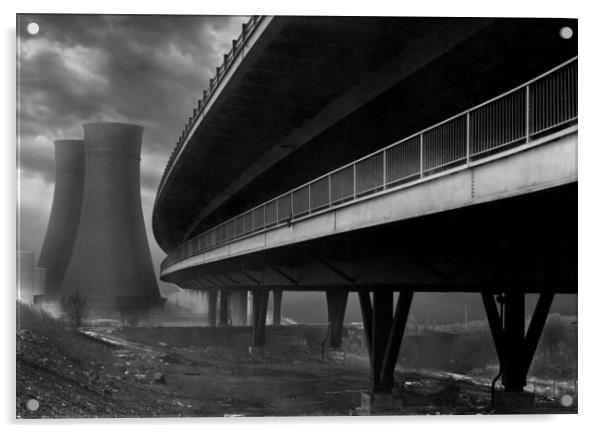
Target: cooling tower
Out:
[64,215]
[111,263]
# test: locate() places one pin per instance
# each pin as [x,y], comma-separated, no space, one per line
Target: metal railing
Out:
[542,105]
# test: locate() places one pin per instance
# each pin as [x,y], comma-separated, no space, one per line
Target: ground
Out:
[163,376]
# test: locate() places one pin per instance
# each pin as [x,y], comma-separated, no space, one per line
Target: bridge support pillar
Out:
[277,312]
[384,328]
[260,308]
[514,348]
[336,303]
[224,298]
[238,307]
[212,307]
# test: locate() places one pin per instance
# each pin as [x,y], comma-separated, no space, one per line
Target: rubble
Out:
[159,378]
[167,381]
[49,385]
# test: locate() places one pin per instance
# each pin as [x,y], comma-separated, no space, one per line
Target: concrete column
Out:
[249,306]
[212,307]
[224,313]
[260,308]
[238,307]
[382,319]
[515,350]
[384,334]
[513,374]
[336,302]
[277,315]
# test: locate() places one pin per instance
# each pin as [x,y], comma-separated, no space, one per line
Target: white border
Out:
[590,217]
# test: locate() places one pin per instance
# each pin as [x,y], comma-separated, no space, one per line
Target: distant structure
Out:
[110,262]
[195,301]
[65,212]
[30,279]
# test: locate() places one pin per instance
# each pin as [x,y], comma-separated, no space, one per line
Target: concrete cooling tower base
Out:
[110,262]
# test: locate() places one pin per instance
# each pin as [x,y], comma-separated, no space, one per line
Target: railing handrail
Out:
[355,162]
[427,129]
[455,116]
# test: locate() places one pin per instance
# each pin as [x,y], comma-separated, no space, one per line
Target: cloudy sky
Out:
[147,70]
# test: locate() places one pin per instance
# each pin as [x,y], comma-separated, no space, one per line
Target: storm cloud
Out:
[148,70]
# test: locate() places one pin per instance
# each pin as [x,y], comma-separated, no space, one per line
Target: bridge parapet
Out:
[539,107]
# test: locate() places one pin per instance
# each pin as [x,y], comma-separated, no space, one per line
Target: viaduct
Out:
[380,157]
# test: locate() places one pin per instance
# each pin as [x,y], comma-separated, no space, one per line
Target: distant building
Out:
[30,279]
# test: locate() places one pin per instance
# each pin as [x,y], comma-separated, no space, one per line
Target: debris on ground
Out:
[161,380]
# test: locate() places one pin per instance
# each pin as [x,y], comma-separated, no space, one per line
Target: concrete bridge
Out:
[301,169]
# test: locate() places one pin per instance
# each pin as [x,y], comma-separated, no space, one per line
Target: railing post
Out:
[384,169]
[354,180]
[421,156]
[468,138]
[264,221]
[527,126]
[309,199]
[329,190]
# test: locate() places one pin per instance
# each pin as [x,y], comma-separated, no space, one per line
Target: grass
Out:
[77,348]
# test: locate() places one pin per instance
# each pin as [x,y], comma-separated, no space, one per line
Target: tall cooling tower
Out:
[64,215]
[111,262]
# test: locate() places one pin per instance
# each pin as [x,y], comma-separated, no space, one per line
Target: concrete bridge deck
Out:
[516,144]
[545,163]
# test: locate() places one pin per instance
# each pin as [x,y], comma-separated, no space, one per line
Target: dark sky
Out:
[148,70]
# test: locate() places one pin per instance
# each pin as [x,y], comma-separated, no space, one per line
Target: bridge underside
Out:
[524,244]
[316,93]
[502,249]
